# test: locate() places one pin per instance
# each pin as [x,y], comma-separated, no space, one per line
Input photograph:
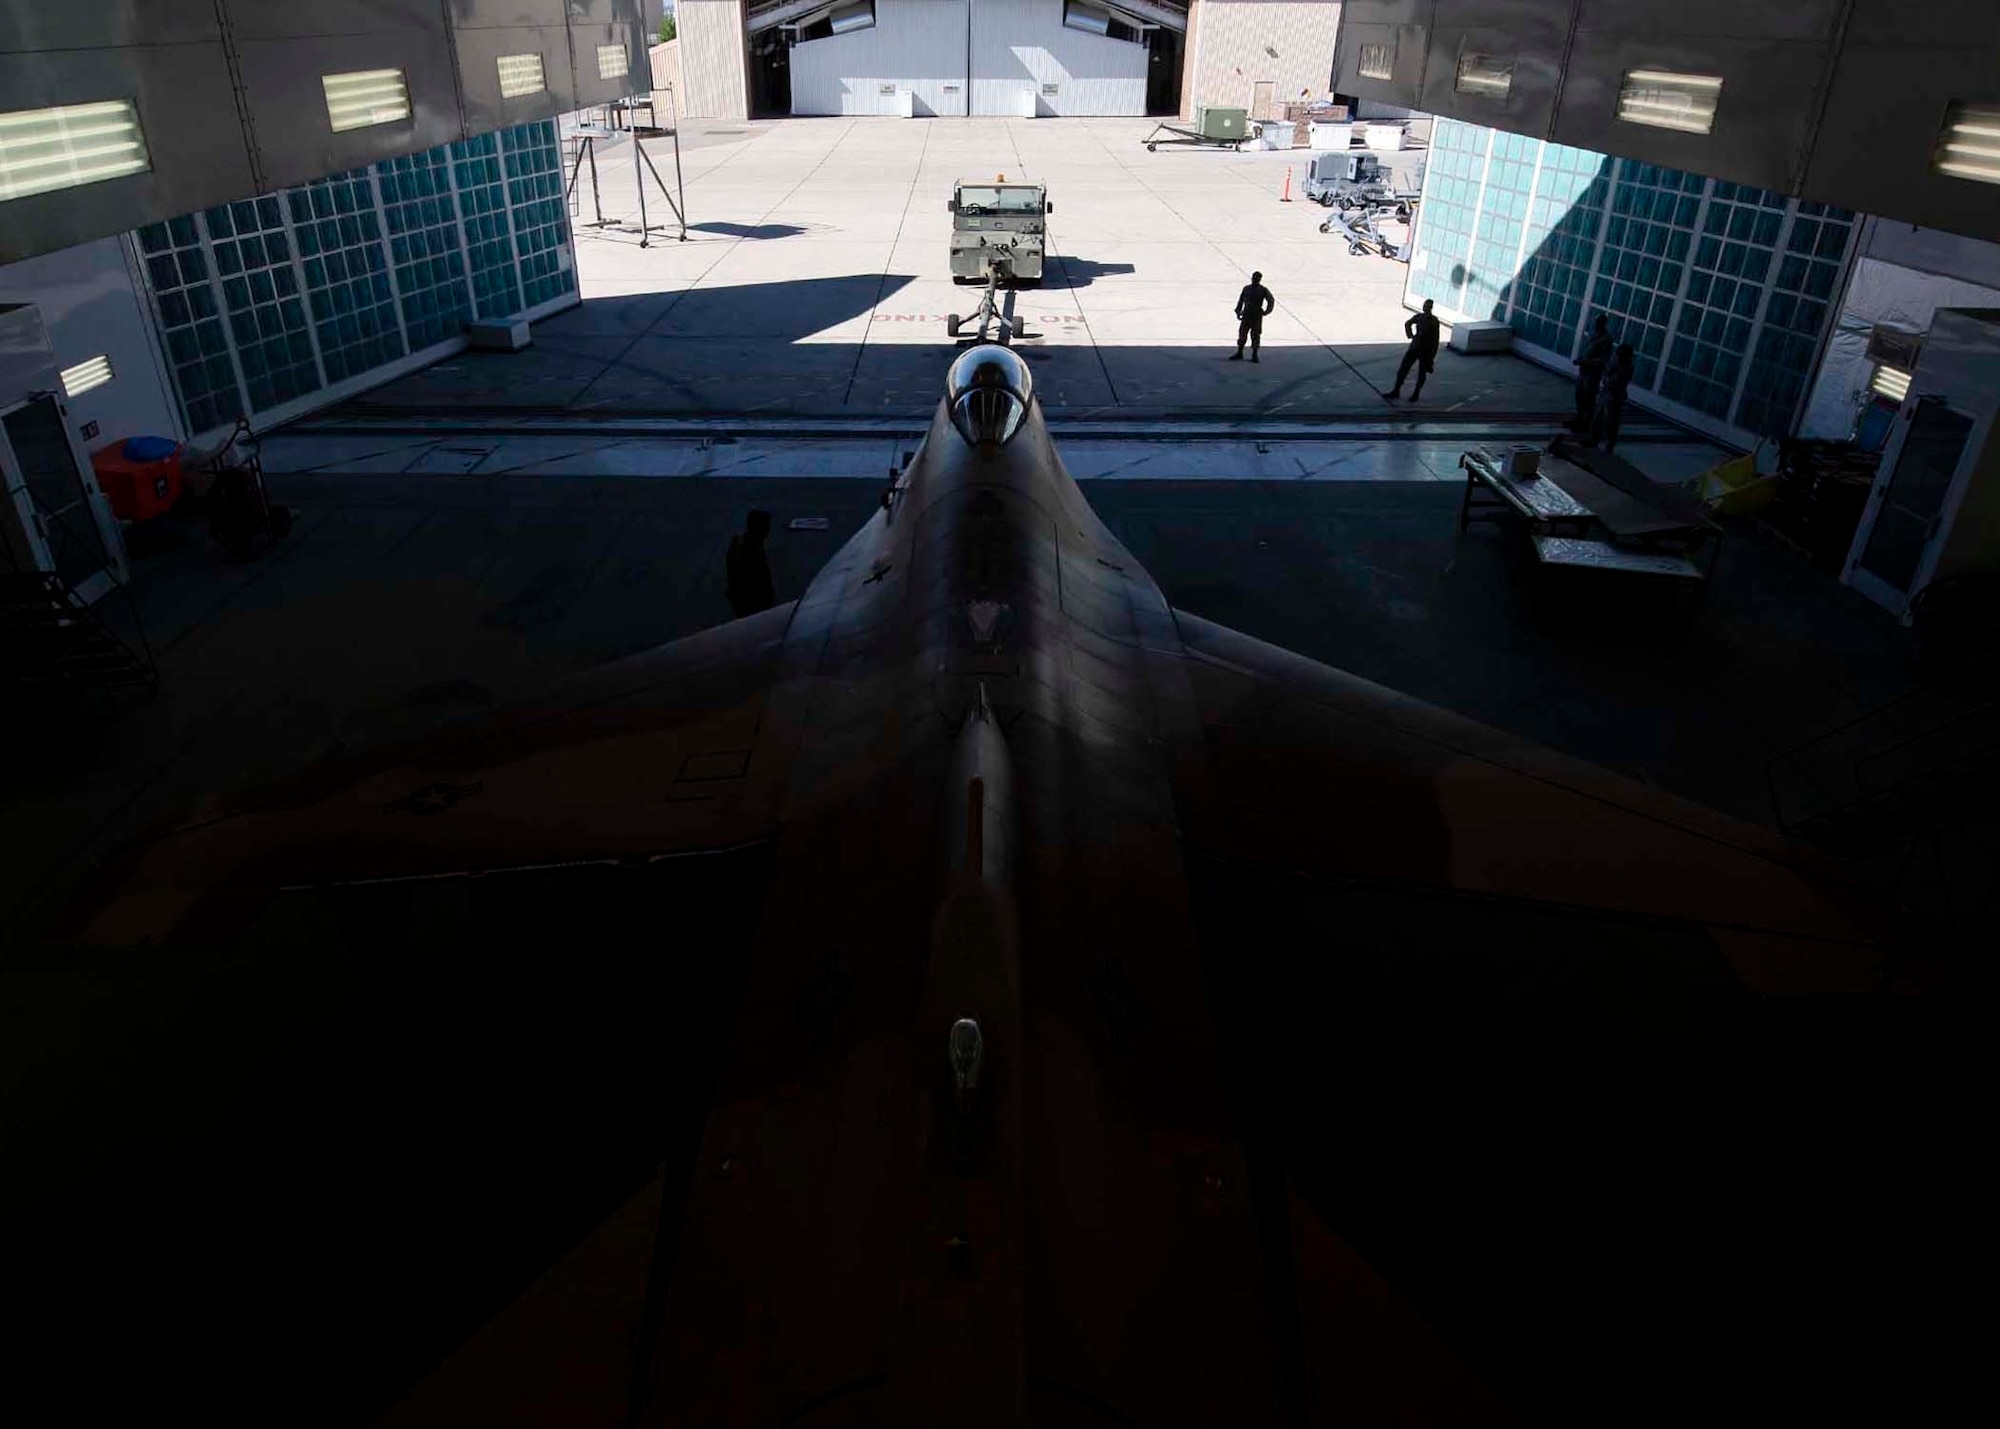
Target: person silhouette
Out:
[1422,331]
[1611,393]
[1590,365]
[748,569]
[1252,305]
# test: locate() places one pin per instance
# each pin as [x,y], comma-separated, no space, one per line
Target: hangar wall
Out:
[93,305]
[1235,44]
[915,45]
[1903,277]
[227,97]
[1016,47]
[1725,291]
[1843,101]
[714,59]
[1023,46]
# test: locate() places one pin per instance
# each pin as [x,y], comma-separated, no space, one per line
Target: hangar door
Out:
[1052,57]
[953,57]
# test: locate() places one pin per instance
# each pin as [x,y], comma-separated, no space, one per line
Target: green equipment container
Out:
[1211,121]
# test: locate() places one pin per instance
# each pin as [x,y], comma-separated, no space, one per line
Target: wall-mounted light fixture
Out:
[1664,99]
[1487,76]
[69,145]
[362,97]
[1890,382]
[91,372]
[1969,147]
[522,75]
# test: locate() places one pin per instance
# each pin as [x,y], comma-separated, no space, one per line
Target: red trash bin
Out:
[140,477]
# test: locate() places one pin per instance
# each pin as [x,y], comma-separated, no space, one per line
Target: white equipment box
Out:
[1474,338]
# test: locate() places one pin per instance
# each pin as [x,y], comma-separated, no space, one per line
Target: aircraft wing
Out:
[1312,773]
[676,750]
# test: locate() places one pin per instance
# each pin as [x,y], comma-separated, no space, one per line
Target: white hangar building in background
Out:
[738,59]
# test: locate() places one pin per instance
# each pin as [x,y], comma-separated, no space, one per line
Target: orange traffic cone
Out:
[1287,196]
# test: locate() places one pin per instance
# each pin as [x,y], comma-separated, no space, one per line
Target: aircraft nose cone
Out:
[966,1049]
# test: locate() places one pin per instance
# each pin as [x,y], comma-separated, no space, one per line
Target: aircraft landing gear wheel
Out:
[1326,227]
[951,326]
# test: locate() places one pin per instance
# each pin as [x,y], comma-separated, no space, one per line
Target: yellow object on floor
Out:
[1735,489]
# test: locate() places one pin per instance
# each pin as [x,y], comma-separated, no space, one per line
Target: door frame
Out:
[111,536]
[1897,602]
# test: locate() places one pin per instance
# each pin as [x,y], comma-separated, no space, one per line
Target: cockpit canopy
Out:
[989,389]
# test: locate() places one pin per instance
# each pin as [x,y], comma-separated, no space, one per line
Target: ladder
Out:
[49,643]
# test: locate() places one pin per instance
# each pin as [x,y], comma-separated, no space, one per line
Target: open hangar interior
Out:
[1009,58]
[432,1150]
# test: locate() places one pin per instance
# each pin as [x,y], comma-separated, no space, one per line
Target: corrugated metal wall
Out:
[230,95]
[918,45]
[1233,44]
[1023,45]
[713,59]
[1018,47]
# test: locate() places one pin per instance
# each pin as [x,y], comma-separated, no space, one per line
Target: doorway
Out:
[65,528]
[1905,521]
[1163,72]
[770,75]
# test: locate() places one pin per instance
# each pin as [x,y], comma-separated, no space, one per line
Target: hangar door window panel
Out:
[836,20]
[489,238]
[191,323]
[539,211]
[416,245]
[1440,263]
[352,304]
[1552,292]
[1723,290]
[1503,217]
[1648,240]
[1102,21]
[68,146]
[261,297]
[1377,62]
[1804,293]
[426,246]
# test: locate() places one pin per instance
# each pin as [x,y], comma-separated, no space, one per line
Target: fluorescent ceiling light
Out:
[1890,382]
[42,150]
[1490,76]
[92,372]
[521,74]
[612,62]
[366,96]
[1969,148]
[1378,62]
[1662,99]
